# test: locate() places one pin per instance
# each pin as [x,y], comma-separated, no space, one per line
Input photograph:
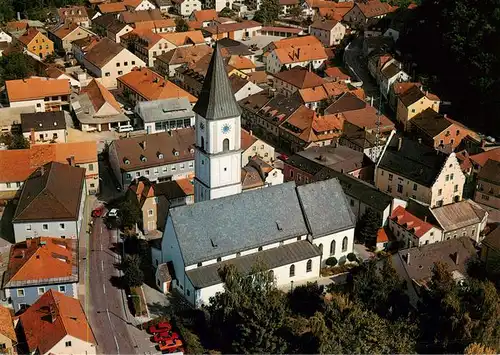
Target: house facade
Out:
[165,115]
[65,218]
[41,93]
[159,157]
[64,35]
[36,43]
[329,32]
[488,185]
[407,169]
[412,102]
[24,283]
[8,337]
[44,127]
[108,60]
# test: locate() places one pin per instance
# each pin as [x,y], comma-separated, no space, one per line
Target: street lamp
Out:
[140,306]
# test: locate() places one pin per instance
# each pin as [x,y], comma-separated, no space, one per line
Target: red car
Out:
[97,212]
[160,327]
[165,337]
[171,346]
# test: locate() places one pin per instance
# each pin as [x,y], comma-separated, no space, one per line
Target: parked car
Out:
[165,337]
[160,328]
[113,213]
[97,212]
[170,346]
[125,128]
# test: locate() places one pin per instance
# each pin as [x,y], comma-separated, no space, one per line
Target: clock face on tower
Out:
[226,129]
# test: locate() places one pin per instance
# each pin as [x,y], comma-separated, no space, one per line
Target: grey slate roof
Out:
[43,121]
[326,208]
[414,161]
[167,109]
[430,122]
[209,229]
[458,215]
[216,100]
[286,254]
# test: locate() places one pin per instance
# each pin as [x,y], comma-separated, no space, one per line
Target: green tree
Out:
[268,13]
[129,210]
[454,315]
[181,25]
[367,228]
[132,272]
[250,316]
[19,142]
[295,11]
[7,12]
[305,299]
[16,65]
[226,12]
[191,341]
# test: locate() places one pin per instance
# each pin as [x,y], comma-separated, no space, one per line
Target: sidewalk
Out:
[83,250]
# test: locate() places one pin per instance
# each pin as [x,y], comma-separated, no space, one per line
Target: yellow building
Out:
[412,102]
[8,339]
[37,43]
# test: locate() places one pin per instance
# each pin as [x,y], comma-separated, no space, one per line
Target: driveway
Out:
[362,252]
[158,303]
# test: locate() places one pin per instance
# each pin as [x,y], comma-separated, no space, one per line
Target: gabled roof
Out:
[230,27]
[430,122]
[52,192]
[347,102]
[43,121]
[36,88]
[239,62]
[29,35]
[411,95]
[410,222]
[369,119]
[131,17]
[184,38]
[373,8]
[7,324]
[337,73]
[300,77]
[112,7]
[16,165]
[99,96]
[159,110]
[481,158]
[152,86]
[73,12]
[157,149]
[247,139]
[458,215]
[252,219]
[186,55]
[42,261]
[229,47]
[204,15]
[315,197]
[293,54]
[490,172]
[216,99]
[53,316]
[103,52]
[326,25]
[62,31]
[492,240]
[417,162]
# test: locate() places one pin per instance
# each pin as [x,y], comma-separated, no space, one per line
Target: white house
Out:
[391,73]
[291,230]
[108,60]
[242,88]
[329,32]
[186,7]
[60,186]
[140,5]
[5,37]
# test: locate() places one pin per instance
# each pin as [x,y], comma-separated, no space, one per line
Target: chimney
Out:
[28,243]
[53,313]
[72,160]
[407,258]
[425,219]
[251,133]
[32,136]
[454,257]
[400,143]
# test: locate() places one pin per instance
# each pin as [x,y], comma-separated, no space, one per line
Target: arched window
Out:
[219,259]
[321,248]
[344,244]
[309,265]
[292,270]
[203,143]
[332,247]
[225,145]
[271,274]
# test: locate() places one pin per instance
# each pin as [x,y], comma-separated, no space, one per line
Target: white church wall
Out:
[172,252]
[325,243]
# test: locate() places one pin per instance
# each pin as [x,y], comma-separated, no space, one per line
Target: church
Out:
[291,229]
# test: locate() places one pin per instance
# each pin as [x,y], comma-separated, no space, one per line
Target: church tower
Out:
[218,136]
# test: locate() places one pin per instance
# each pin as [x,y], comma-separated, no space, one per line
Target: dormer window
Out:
[191,151]
[160,155]
[143,158]
[175,152]
[126,161]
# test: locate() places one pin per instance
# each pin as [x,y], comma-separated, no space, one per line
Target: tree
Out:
[132,272]
[16,66]
[268,13]
[250,316]
[367,228]
[18,141]
[475,348]
[130,212]
[331,261]
[454,315]
[226,12]
[305,299]
[191,340]
[181,25]
[295,11]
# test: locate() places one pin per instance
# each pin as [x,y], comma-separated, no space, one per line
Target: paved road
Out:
[107,312]
[354,60]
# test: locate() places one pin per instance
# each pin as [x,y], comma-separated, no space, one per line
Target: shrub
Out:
[331,261]
[352,257]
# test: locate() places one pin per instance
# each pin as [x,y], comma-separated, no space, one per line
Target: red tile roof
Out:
[410,222]
[6,324]
[300,78]
[373,8]
[367,118]
[51,318]
[337,73]
[36,88]
[28,36]
[152,86]
[481,158]
[247,139]
[41,259]
[382,236]
[205,15]
[99,96]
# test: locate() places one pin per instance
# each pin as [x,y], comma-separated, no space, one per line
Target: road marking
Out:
[101,246]
[102,265]
[104,290]
[101,228]
[114,336]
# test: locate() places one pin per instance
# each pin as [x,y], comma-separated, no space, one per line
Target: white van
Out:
[125,128]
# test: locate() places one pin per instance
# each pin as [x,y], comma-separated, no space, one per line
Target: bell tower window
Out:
[225,145]
[203,143]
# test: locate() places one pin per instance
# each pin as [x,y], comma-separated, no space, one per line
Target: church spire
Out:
[216,100]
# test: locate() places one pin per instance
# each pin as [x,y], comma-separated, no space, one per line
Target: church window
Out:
[309,265]
[292,270]
[188,293]
[344,244]
[200,264]
[332,247]
[321,248]
[225,145]
[260,248]
[219,259]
